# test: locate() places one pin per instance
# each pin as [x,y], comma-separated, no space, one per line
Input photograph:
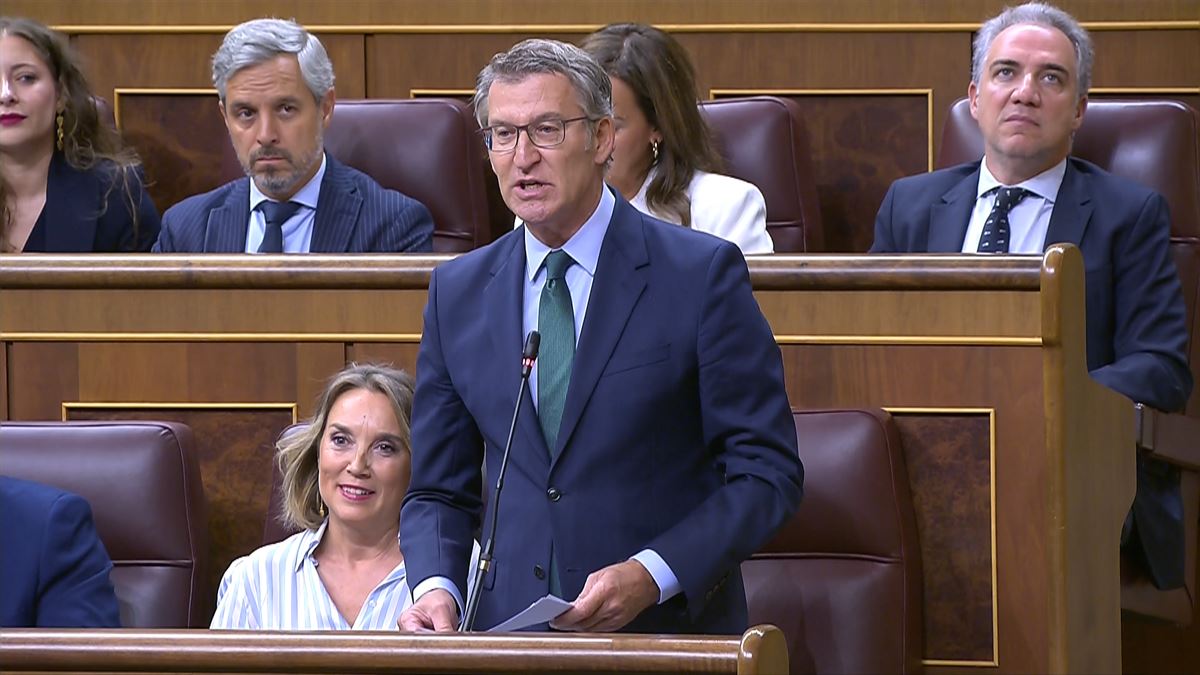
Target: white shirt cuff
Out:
[668,583]
[444,583]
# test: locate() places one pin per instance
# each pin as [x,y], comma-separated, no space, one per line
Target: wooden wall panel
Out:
[182,141]
[4,347]
[401,355]
[418,12]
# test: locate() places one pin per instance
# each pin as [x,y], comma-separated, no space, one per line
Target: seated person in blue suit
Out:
[68,183]
[655,450]
[275,83]
[53,568]
[1031,71]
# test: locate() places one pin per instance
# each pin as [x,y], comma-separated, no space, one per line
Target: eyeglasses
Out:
[546,133]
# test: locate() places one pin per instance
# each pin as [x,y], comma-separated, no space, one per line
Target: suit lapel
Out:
[503,301]
[1072,209]
[620,280]
[228,224]
[948,218]
[72,207]
[337,210]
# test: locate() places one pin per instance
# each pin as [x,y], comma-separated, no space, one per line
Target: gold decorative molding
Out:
[68,406]
[207,337]
[118,92]
[490,29]
[991,414]
[714,94]
[945,340]
[1157,91]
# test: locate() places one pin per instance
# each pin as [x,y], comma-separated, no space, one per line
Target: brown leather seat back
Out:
[764,141]
[842,579]
[426,148]
[143,483]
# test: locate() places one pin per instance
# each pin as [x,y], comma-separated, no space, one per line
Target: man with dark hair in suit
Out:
[655,449]
[53,568]
[275,83]
[1030,76]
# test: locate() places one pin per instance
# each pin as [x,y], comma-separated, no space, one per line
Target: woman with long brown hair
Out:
[665,162]
[67,181]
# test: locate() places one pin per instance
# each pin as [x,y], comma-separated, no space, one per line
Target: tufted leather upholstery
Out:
[1156,143]
[842,579]
[143,483]
[426,148]
[764,141]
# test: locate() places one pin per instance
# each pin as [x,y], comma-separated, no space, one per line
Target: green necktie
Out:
[556,323]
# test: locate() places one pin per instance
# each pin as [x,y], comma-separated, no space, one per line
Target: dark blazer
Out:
[86,212]
[354,215]
[1136,327]
[53,566]
[676,434]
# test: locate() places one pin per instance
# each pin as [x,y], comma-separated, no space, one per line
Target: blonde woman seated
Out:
[344,478]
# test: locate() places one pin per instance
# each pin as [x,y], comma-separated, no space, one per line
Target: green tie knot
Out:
[556,265]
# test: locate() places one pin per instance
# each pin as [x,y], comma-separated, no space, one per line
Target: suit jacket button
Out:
[539,572]
[554,494]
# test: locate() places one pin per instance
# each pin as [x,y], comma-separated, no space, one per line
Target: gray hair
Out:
[261,40]
[1043,15]
[537,56]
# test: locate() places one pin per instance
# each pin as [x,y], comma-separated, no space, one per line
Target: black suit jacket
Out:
[1136,327]
[89,211]
[354,215]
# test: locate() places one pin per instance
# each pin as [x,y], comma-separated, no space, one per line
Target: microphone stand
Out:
[528,356]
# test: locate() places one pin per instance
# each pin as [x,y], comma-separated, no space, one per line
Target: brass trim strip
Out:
[785,339]
[1143,90]
[210,337]
[368,29]
[158,91]
[928,92]
[176,405]
[985,340]
[991,413]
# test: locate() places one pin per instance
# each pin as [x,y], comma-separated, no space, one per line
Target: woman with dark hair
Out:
[67,181]
[665,162]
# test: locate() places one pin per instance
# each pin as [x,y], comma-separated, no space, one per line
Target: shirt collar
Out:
[311,539]
[305,196]
[1044,185]
[583,246]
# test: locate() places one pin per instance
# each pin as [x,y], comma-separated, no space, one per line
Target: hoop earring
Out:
[653,150]
[59,121]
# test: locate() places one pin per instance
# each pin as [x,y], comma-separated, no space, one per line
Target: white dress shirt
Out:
[277,588]
[1028,221]
[297,230]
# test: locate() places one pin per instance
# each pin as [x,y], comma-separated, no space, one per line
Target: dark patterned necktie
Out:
[995,229]
[556,323]
[276,214]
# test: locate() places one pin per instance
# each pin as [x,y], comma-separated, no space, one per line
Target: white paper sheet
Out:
[541,611]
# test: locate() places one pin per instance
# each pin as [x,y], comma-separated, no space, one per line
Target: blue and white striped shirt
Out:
[277,588]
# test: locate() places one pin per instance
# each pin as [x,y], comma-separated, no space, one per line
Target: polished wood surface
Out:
[759,651]
[979,360]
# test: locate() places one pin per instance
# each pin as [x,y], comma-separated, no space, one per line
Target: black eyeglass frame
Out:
[486,132]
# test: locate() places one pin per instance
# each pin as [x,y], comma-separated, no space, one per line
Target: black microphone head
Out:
[532,341]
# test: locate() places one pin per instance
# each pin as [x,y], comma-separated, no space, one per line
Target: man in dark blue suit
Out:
[655,449]
[275,83]
[1031,71]
[53,568]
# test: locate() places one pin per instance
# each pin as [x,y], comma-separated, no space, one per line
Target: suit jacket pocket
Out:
[637,359]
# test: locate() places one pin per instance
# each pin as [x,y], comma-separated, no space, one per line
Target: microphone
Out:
[528,356]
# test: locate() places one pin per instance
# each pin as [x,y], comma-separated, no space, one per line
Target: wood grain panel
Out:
[4,347]
[41,376]
[235,449]
[315,364]
[360,12]
[182,141]
[948,458]
[1147,58]
[398,354]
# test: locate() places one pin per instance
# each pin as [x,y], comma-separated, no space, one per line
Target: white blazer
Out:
[724,206]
